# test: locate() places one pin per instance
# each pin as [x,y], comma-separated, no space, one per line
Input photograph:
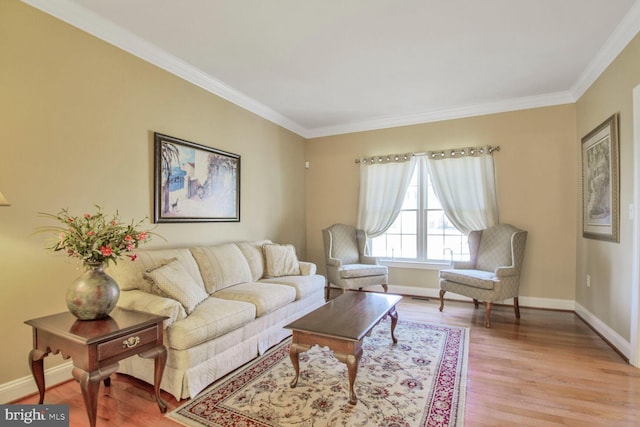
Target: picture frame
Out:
[601,182]
[194,183]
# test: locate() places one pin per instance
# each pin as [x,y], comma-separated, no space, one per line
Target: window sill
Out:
[414,264]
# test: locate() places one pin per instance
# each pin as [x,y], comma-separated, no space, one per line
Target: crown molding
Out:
[617,41]
[87,21]
[91,23]
[515,104]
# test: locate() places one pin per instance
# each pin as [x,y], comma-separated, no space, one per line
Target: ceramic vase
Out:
[93,295]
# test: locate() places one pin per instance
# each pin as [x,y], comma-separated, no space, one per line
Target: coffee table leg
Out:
[352,368]
[394,321]
[293,355]
[352,361]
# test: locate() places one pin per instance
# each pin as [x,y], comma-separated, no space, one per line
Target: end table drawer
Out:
[126,343]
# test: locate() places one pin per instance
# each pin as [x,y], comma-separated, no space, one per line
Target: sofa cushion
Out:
[221,266]
[214,317]
[475,278]
[280,260]
[130,275]
[266,297]
[173,281]
[304,285]
[252,251]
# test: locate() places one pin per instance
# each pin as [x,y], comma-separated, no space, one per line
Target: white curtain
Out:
[382,189]
[466,188]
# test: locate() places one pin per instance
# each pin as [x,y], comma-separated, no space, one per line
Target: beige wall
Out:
[610,264]
[536,173]
[77,121]
[77,117]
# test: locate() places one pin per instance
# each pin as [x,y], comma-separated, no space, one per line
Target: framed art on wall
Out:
[600,182]
[194,183]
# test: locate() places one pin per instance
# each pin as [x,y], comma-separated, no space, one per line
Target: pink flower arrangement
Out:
[95,238]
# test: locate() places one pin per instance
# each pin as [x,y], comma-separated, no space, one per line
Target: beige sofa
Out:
[226,305]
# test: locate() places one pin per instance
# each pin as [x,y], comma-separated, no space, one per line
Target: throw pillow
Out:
[280,260]
[174,281]
[221,266]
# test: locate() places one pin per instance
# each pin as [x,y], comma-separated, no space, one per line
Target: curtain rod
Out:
[440,154]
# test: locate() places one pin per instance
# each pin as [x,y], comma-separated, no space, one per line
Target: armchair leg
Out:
[516,307]
[442,292]
[385,287]
[327,292]
[487,316]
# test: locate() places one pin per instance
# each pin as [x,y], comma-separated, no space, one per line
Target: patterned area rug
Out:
[420,381]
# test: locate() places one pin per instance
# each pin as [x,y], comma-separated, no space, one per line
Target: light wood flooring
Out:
[547,369]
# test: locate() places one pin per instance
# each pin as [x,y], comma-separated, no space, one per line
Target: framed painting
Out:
[194,183]
[600,182]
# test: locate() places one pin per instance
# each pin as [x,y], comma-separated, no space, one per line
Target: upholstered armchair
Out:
[493,272]
[348,267]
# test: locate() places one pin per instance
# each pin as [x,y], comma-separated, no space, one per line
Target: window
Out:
[421,232]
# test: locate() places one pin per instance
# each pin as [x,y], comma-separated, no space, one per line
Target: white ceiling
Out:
[323,67]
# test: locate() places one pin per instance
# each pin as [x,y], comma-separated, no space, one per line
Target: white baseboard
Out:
[622,345]
[416,291]
[17,389]
[547,303]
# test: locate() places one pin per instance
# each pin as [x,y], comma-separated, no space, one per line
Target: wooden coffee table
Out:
[341,325]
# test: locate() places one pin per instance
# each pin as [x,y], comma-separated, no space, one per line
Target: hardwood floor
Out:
[547,369]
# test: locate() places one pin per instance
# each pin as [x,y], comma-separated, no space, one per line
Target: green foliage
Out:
[95,238]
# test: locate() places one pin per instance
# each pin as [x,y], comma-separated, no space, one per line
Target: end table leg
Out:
[36,363]
[89,393]
[159,354]
[159,365]
[90,384]
[394,321]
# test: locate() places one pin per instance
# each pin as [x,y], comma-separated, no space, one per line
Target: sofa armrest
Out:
[307,268]
[144,301]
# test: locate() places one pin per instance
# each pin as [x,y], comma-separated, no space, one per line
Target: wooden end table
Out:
[341,325]
[96,346]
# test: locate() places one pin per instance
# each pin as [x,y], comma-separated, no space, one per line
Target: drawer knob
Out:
[131,342]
